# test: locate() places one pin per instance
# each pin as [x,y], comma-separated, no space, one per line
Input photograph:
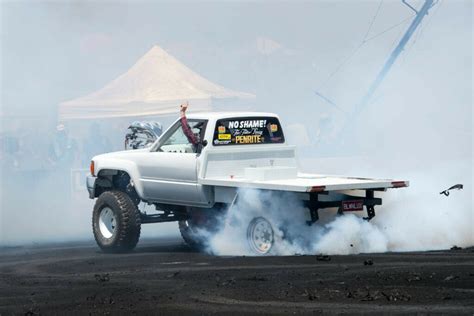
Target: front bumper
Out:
[90,182]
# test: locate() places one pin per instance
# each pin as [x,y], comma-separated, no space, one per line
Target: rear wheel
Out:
[260,235]
[116,222]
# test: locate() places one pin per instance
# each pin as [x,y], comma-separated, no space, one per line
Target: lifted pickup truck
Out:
[194,183]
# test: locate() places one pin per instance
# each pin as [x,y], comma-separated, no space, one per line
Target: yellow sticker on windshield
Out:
[224,136]
[249,139]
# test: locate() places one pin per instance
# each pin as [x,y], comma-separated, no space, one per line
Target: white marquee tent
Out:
[154,86]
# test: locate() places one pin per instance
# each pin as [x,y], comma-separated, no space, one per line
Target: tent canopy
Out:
[154,86]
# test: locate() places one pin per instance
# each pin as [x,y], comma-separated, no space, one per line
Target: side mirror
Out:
[204,143]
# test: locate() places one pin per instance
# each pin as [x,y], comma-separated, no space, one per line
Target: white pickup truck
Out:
[194,183]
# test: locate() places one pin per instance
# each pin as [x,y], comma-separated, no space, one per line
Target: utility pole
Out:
[393,56]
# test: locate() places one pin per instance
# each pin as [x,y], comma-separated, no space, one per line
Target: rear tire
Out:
[116,222]
[260,235]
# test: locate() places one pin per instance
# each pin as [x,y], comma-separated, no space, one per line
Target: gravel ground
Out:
[165,276]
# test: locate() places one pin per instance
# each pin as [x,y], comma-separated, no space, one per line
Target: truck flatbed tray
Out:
[307,183]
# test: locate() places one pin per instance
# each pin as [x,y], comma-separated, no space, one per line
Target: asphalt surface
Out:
[166,277]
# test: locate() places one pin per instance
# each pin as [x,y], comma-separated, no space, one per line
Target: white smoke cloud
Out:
[411,219]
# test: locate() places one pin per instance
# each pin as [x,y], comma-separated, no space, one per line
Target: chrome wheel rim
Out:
[107,222]
[260,235]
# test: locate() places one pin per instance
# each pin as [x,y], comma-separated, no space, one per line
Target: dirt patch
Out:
[168,277]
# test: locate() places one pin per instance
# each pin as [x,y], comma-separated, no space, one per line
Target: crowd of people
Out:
[31,149]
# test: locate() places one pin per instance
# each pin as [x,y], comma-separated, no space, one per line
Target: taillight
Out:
[319,188]
[92,168]
[399,184]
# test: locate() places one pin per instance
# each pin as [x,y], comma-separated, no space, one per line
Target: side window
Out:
[178,142]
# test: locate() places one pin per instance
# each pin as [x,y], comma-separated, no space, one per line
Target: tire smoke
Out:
[416,218]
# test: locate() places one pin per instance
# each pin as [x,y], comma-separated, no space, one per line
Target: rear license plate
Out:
[348,206]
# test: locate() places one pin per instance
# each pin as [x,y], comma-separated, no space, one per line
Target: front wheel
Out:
[260,235]
[116,222]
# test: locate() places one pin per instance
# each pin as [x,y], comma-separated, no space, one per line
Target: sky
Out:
[59,50]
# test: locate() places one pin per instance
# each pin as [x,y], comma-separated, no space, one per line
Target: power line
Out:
[393,56]
[358,47]
[342,63]
[354,51]
[373,20]
[386,30]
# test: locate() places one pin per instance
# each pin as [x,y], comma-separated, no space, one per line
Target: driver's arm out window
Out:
[176,141]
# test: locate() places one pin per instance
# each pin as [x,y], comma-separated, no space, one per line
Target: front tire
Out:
[116,222]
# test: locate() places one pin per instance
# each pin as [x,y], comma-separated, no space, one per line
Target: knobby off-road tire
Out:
[189,234]
[200,225]
[116,222]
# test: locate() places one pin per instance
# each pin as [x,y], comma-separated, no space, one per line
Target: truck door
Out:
[169,171]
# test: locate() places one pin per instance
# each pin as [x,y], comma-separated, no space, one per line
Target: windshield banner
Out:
[247,131]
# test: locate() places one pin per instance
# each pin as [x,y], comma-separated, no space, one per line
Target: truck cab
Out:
[170,170]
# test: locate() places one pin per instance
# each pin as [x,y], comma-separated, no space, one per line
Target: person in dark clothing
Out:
[62,151]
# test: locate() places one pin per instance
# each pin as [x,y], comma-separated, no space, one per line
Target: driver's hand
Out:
[184,106]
